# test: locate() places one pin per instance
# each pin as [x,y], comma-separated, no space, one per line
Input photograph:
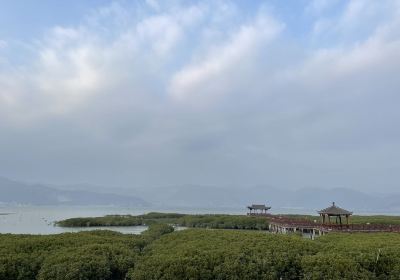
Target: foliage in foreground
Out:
[214,254]
[198,254]
[84,255]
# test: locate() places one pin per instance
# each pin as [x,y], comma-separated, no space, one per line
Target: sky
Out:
[137,94]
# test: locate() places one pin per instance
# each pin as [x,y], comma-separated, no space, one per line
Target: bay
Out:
[41,219]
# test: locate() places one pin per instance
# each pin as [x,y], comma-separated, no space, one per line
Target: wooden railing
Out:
[366,227]
[307,224]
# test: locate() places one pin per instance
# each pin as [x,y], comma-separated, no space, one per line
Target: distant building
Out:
[258,209]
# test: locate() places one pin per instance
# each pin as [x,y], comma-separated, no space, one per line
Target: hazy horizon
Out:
[140,94]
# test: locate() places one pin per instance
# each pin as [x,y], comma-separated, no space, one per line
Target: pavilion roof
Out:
[259,207]
[334,210]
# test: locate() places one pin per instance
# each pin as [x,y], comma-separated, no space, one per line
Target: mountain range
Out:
[198,196]
[20,193]
[282,200]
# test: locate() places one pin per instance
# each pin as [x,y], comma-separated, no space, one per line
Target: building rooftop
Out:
[258,207]
[334,210]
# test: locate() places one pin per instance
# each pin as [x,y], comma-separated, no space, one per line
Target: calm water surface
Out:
[40,219]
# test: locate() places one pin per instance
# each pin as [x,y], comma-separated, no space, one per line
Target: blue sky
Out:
[25,20]
[152,93]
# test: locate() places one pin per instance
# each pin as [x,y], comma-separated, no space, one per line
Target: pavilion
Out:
[334,211]
[258,209]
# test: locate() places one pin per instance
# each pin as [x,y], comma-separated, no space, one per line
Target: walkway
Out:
[282,224]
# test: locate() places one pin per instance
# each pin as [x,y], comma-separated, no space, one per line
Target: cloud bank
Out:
[206,92]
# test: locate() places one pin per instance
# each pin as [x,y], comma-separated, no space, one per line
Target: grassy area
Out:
[377,219]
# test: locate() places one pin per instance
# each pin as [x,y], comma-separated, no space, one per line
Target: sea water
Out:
[41,219]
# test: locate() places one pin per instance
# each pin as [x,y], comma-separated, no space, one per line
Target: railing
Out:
[260,214]
[369,227]
[307,224]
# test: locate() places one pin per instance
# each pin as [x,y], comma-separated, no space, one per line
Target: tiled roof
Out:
[259,207]
[334,210]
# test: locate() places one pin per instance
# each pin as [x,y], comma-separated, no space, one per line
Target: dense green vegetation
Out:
[223,222]
[214,254]
[201,221]
[198,254]
[84,255]
[122,220]
[110,220]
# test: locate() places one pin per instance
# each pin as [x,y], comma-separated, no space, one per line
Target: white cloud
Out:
[161,32]
[209,75]
[73,65]
[357,20]
[379,48]
[119,88]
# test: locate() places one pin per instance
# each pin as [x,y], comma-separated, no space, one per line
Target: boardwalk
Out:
[282,224]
